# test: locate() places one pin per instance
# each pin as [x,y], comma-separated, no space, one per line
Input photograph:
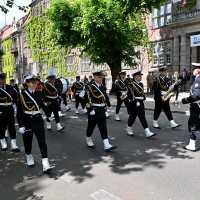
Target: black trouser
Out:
[64,97]
[7,121]
[78,99]
[53,107]
[119,103]
[137,111]
[176,90]
[162,105]
[98,119]
[34,124]
[194,121]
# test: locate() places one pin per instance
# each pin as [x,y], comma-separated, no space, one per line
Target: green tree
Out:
[106,30]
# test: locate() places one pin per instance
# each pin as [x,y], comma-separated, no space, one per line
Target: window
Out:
[162,17]
[70,63]
[161,53]
[85,64]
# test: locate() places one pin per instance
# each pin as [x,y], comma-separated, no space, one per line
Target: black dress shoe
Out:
[16,150]
[61,129]
[157,127]
[92,147]
[48,171]
[110,149]
[176,126]
[152,136]
[31,165]
[4,149]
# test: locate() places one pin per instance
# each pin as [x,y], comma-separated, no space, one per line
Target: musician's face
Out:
[163,73]
[98,79]
[138,78]
[123,76]
[2,81]
[32,85]
[51,80]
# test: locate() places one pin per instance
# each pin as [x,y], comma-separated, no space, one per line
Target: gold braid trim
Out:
[136,89]
[4,98]
[162,87]
[97,97]
[24,103]
[121,88]
[52,93]
[78,87]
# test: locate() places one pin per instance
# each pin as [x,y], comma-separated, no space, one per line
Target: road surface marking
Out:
[103,195]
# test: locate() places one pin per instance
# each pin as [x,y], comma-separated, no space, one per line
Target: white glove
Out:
[92,112]
[22,130]
[138,104]
[163,93]
[50,119]
[123,93]
[76,93]
[45,104]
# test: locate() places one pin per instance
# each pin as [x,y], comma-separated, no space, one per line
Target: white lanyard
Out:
[32,100]
[6,93]
[164,80]
[138,85]
[122,82]
[80,84]
[52,86]
[99,91]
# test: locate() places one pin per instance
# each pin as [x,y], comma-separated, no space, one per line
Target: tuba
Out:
[169,93]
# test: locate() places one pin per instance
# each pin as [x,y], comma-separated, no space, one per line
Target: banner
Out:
[195,40]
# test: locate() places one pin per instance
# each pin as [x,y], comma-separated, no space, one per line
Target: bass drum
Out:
[62,85]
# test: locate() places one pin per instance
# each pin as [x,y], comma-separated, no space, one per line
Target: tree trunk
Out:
[115,68]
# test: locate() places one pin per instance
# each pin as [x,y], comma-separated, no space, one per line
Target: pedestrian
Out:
[50,97]
[193,99]
[30,121]
[150,79]
[160,87]
[176,78]
[183,81]
[96,100]
[7,117]
[137,97]
[122,94]
[78,89]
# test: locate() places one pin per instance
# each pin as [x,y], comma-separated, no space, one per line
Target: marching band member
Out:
[160,87]
[50,95]
[136,95]
[96,100]
[30,121]
[77,88]
[7,120]
[121,90]
[193,99]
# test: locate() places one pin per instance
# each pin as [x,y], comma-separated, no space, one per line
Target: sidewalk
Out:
[149,103]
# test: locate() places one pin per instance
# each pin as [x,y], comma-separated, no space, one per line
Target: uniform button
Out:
[31,116]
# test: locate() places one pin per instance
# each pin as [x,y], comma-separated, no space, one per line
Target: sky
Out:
[13,12]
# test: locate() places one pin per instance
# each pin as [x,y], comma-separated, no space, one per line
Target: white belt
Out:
[32,112]
[141,98]
[79,90]
[98,104]
[52,97]
[123,91]
[6,104]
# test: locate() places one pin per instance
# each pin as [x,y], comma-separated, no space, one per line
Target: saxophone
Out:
[169,93]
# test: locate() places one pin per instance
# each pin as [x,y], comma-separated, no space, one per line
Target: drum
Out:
[82,94]
[62,85]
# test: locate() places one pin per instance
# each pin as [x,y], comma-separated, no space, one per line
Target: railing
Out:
[184,16]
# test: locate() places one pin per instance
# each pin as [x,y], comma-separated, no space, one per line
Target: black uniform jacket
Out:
[194,92]
[25,103]
[160,84]
[121,86]
[136,90]
[49,90]
[93,95]
[77,87]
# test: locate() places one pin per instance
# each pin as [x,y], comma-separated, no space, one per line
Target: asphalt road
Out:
[140,169]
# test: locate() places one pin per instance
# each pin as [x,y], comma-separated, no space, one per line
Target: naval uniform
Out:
[50,96]
[121,87]
[96,99]
[161,84]
[7,120]
[194,119]
[78,87]
[136,96]
[29,116]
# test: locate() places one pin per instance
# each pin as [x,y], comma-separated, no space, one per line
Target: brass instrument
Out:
[122,97]
[169,93]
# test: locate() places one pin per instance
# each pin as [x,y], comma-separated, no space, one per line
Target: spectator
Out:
[183,78]
[175,78]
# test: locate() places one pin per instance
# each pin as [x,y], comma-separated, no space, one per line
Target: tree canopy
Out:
[106,30]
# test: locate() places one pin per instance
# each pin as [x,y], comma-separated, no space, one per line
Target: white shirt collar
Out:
[31,90]
[97,84]
[137,81]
